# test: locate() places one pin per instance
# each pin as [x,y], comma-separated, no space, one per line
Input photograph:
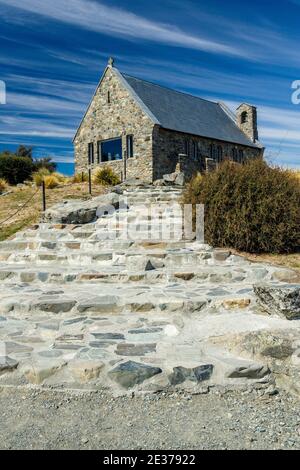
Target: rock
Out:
[101,344]
[251,371]
[41,369]
[109,336]
[82,212]
[50,353]
[12,347]
[27,277]
[7,364]
[180,179]
[196,374]
[286,275]
[230,304]
[145,331]
[220,255]
[141,307]
[128,349]
[84,370]
[170,178]
[49,325]
[275,345]
[100,304]
[128,374]
[143,263]
[53,305]
[185,276]
[72,321]
[67,346]
[281,300]
[70,338]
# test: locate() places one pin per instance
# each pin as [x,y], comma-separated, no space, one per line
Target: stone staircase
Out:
[112,304]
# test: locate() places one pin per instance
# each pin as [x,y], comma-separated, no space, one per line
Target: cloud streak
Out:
[118,22]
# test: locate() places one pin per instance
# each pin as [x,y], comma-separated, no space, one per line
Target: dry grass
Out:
[12,202]
[288,261]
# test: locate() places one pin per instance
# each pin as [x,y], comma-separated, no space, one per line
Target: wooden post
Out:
[44,195]
[82,177]
[125,165]
[90,181]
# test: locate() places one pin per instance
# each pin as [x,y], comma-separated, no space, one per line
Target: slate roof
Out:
[182,112]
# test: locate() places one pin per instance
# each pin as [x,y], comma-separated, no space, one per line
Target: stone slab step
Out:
[107,273]
[86,300]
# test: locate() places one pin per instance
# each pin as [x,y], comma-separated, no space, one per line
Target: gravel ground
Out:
[46,419]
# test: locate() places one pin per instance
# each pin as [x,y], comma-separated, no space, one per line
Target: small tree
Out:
[23,151]
[45,162]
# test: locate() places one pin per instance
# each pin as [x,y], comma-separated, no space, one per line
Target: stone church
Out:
[144,130]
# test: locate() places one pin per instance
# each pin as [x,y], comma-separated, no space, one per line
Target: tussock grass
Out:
[106,177]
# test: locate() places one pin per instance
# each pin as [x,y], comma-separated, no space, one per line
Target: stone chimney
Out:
[247,120]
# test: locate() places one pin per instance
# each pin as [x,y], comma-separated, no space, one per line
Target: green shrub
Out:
[251,207]
[106,176]
[15,169]
[45,162]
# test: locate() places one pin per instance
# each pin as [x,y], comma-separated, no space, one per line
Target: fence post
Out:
[44,195]
[124,165]
[90,181]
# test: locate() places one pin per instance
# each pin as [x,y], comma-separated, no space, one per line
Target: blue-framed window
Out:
[111,150]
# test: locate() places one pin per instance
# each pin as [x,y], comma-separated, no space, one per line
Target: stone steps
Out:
[79,309]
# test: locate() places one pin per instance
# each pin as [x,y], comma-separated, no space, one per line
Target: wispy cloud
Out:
[24,126]
[119,22]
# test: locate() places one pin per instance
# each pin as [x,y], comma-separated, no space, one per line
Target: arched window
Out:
[219,154]
[108,97]
[186,147]
[234,154]
[194,147]
[244,117]
[212,151]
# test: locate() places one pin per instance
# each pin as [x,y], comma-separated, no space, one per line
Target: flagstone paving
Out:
[114,306]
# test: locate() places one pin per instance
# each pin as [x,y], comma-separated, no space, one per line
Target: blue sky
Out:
[53,52]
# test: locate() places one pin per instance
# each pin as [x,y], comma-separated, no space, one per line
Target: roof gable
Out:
[122,80]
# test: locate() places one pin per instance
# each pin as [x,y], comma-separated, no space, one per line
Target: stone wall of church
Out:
[113,116]
[167,145]
[113,113]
